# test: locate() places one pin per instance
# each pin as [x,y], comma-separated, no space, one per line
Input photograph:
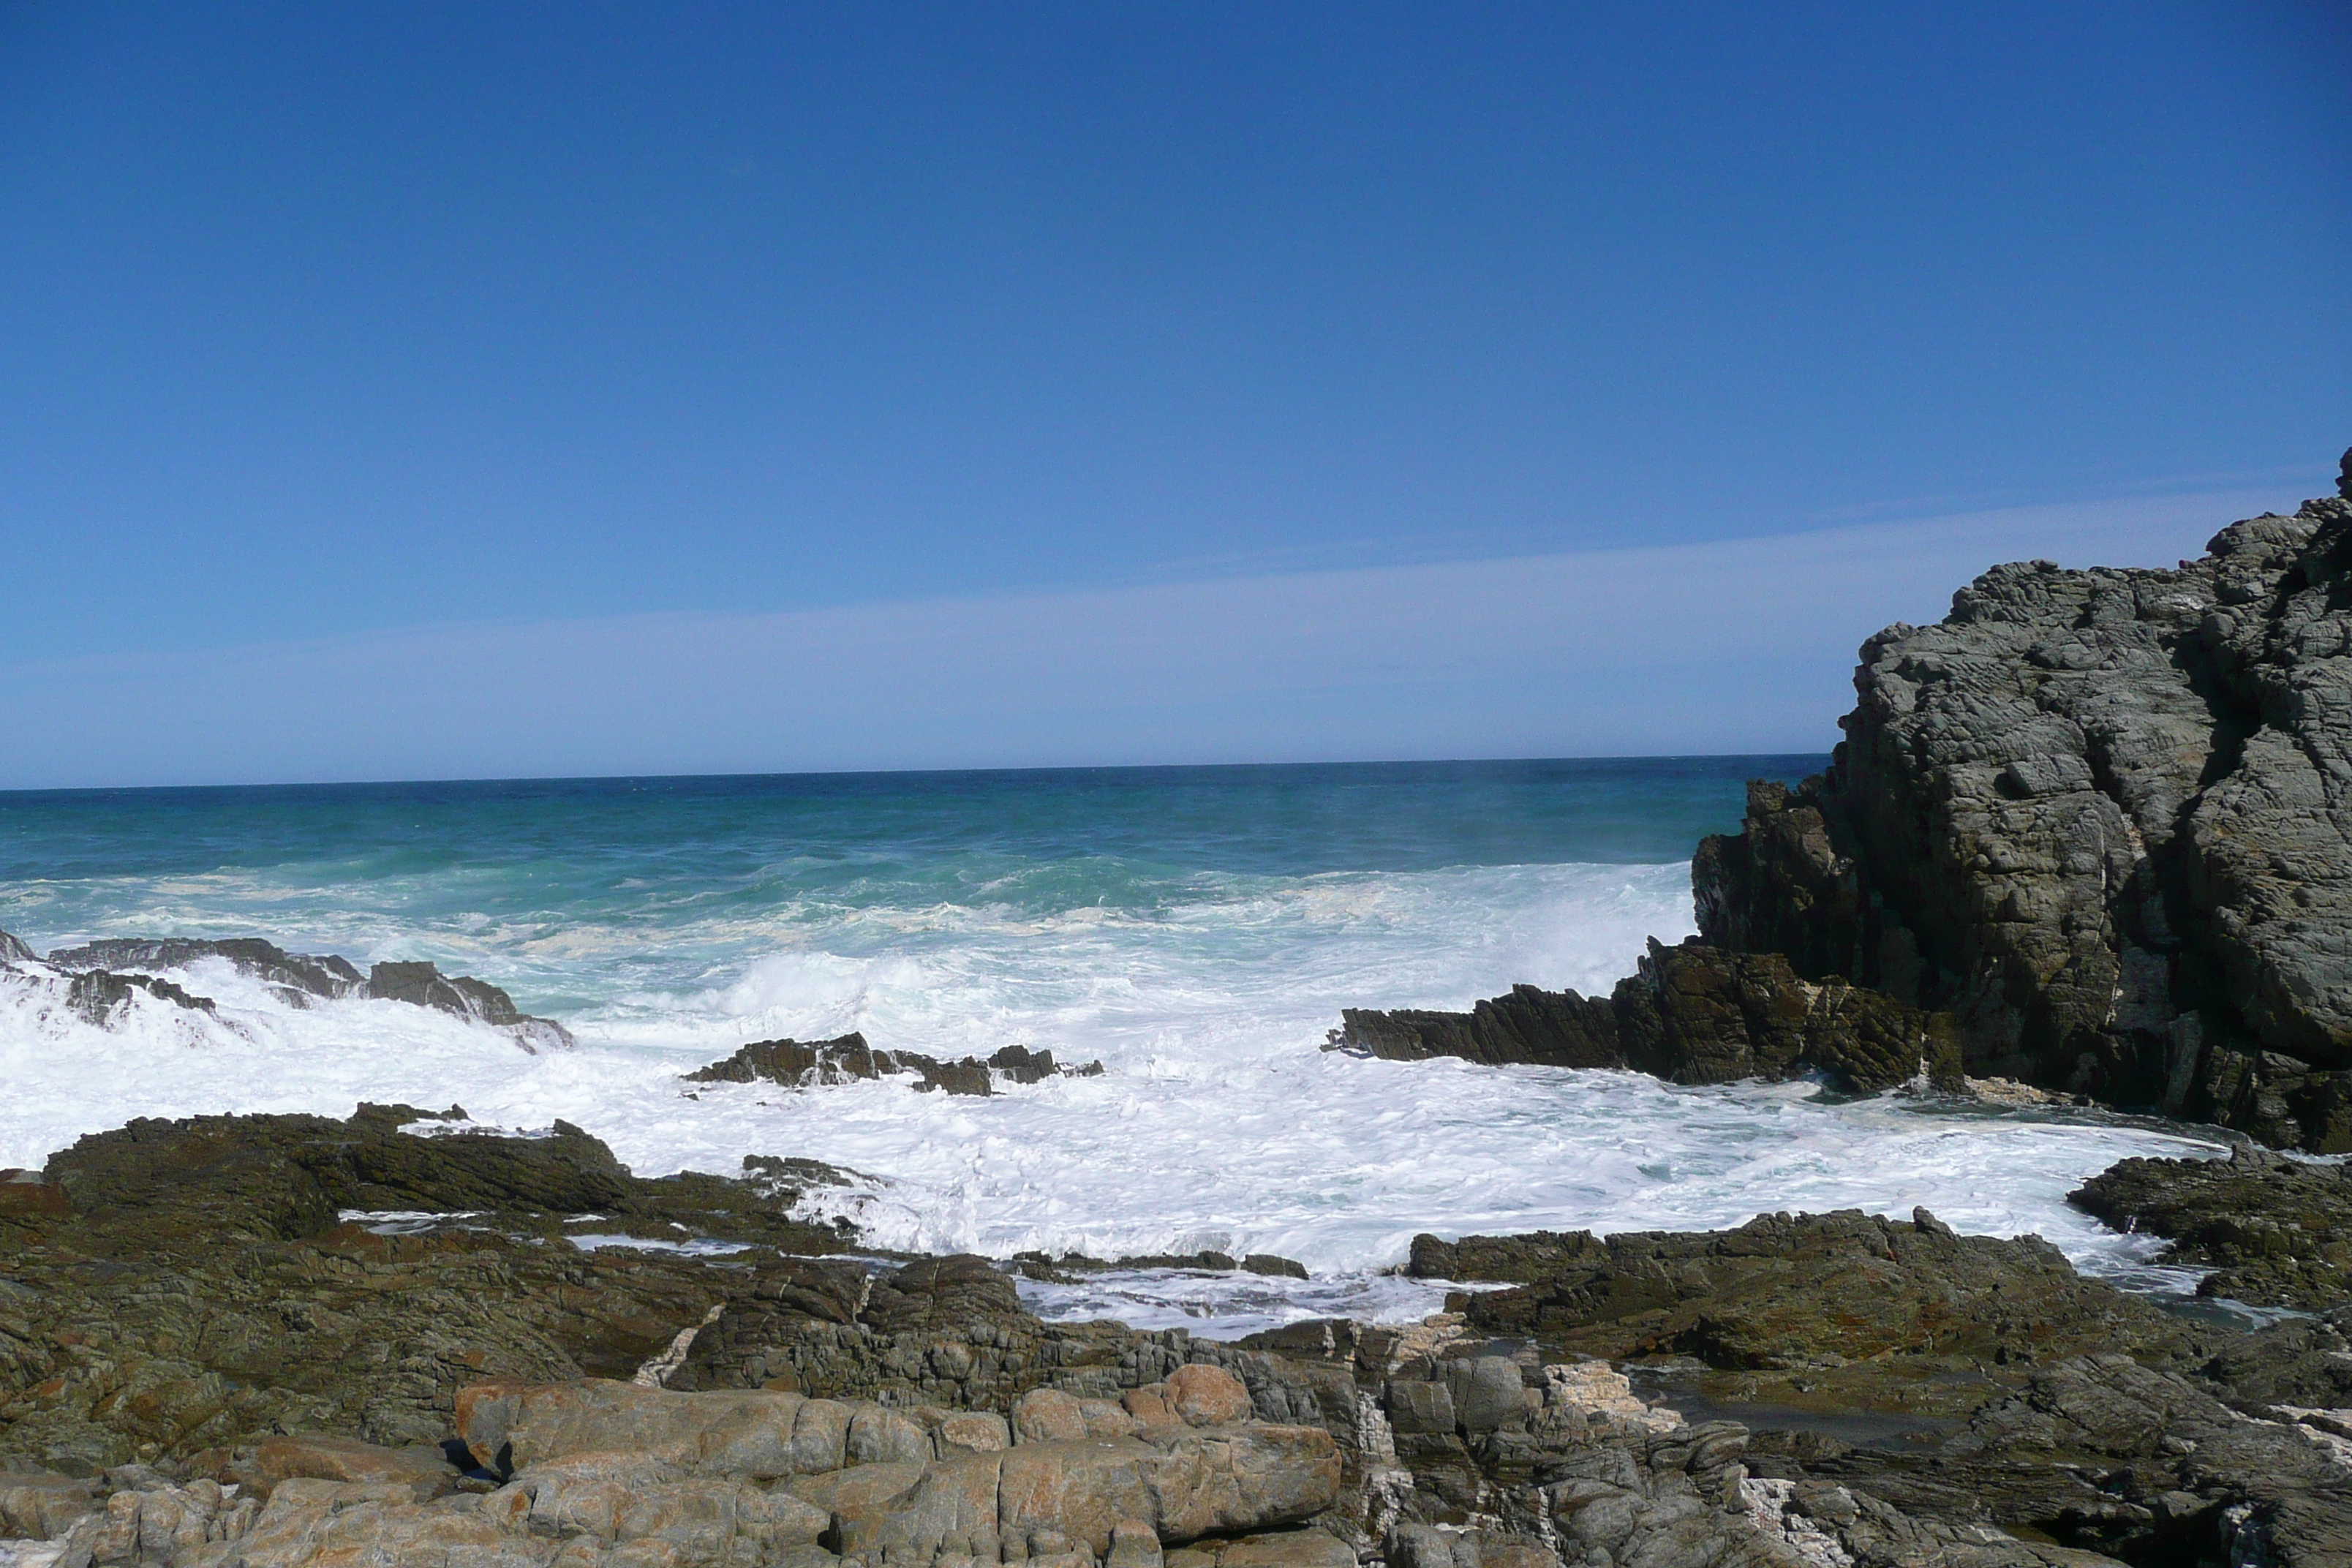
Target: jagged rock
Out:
[1536,1254]
[1543,1028]
[1691,1013]
[105,973]
[98,994]
[849,1058]
[2103,817]
[2277,1232]
[422,984]
[303,975]
[2300,1364]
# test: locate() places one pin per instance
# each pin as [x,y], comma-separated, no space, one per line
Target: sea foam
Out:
[1218,1122]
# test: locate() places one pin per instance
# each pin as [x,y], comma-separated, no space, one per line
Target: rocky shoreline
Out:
[2093,833]
[289,1340]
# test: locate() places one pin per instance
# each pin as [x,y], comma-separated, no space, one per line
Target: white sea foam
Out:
[1217,1124]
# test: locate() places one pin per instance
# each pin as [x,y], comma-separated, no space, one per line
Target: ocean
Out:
[1196,930]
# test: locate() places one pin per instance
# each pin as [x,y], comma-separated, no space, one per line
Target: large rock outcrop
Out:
[174,1285]
[2104,819]
[1690,1014]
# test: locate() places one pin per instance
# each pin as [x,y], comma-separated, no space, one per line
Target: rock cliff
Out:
[2104,819]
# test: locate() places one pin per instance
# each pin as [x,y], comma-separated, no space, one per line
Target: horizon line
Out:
[521,779]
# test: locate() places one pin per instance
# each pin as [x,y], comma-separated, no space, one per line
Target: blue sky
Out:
[361,351]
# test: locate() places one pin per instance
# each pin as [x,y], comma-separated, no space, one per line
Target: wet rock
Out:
[307,974]
[12,951]
[1692,1014]
[99,995]
[2277,1232]
[849,1058]
[422,984]
[105,974]
[1544,1028]
[2102,817]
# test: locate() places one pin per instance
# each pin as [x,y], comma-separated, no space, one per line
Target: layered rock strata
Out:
[1690,1014]
[2104,819]
[849,1058]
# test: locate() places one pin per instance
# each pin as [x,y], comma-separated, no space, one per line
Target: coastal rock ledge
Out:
[2104,819]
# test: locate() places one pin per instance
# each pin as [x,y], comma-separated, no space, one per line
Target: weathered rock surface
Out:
[1892,1391]
[1843,1310]
[1691,1013]
[177,1286]
[2104,819]
[849,1058]
[2277,1232]
[610,1475]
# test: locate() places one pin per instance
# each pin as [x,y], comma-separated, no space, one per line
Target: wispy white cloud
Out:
[1746,645]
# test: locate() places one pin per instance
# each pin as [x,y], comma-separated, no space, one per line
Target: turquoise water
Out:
[1195,931]
[696,872]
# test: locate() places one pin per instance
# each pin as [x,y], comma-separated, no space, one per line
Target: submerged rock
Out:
[303,975]
[2104,819]
[99,994]
[849,1058]
[105,975]
[1691,1013]
[422,984]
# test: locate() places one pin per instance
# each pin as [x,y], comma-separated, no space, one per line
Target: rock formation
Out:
[2104,819]
[172,1285]
[2275,1232]
[103,976]
[292,1341]
[849,1058]
[1691,1013]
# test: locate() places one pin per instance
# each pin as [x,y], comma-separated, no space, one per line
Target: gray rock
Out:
[2104,819]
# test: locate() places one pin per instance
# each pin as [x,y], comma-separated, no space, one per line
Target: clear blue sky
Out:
[342,327]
